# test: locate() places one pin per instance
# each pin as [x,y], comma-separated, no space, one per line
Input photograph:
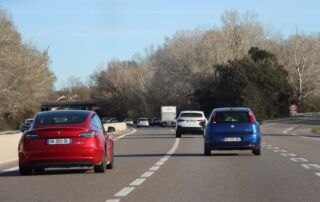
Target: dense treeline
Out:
[25,79]
[239,64]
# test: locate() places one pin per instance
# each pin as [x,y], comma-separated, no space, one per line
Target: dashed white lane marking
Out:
[159,163]
[318,174]
[164,159]
[147,174]
[154,168]
[285,155]
[298,159]
[276,148]
[113,200]
[282,150]
[311,166]
[276,151]
[137,182]
[124,192]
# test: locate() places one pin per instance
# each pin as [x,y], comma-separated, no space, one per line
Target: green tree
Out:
[256,81]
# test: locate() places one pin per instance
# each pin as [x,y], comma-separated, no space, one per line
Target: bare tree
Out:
[301,56]
[25,79]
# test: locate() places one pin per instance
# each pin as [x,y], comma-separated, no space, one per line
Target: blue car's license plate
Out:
[232,139]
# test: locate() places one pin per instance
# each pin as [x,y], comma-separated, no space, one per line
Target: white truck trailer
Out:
[168,116]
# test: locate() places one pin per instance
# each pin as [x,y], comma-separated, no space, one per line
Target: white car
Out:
[190,122]
[143,122]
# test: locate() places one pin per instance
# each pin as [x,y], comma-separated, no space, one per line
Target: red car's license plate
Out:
[59,141]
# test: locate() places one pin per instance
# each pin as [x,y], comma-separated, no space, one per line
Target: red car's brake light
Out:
[251,117]
[89,134]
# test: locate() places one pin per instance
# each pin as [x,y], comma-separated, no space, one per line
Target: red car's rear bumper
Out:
[61,158]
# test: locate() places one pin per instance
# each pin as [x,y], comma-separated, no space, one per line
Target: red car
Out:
[66,138]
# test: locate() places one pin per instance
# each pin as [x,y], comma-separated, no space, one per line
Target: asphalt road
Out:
[152,165]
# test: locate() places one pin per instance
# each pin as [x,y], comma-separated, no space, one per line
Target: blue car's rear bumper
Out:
[218,142]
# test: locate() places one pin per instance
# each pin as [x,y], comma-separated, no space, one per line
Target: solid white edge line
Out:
[122,136]
[137,182]
[124,192]
[9,170]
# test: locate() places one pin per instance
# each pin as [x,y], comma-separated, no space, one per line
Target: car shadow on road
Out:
[289,135]
[62,171]
[182,154]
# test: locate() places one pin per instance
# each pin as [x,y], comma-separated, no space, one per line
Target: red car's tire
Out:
[102,166]
[25,171]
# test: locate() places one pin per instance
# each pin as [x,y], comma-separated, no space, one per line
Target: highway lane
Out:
[152,165]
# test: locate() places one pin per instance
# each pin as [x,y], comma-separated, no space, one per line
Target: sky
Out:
[82,35]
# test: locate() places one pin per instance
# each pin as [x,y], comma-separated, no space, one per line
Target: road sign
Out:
[293,107]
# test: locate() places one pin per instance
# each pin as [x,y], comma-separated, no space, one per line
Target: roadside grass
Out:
[316,130]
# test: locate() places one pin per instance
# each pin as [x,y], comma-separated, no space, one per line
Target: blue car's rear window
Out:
[232,117]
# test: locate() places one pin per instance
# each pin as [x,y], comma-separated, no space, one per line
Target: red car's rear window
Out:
[61,119]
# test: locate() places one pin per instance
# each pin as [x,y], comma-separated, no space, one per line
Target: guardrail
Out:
[120,126]
[308,114]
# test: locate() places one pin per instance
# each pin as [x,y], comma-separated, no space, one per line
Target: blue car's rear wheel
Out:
[207,150]
[256,151]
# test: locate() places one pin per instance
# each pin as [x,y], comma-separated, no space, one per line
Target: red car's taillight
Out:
[31,136]
[251,117]
[88,134]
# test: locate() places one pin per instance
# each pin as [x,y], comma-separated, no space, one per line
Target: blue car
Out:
[232,129]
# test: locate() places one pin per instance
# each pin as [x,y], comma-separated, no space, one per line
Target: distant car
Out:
[143,122]
[190,122]
[105,120]
[24,127]
[128,121]
[232,129]
[66,138]
[113,120]
[28,121]
[155,121]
